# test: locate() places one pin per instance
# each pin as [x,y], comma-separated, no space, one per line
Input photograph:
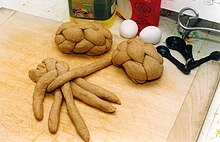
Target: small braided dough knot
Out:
[140,60]
[83,37]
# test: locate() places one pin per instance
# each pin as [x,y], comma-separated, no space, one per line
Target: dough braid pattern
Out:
[140,60]
[83,37]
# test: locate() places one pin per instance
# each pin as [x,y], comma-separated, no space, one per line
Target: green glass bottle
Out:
[101,11]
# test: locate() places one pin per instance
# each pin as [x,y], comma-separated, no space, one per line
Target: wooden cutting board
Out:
[171,108]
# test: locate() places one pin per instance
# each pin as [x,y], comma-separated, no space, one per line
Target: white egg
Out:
[128,28]
[151,34]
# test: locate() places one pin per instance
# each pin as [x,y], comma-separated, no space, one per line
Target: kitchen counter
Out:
[203,43]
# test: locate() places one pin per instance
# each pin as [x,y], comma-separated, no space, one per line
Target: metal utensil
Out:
[196,16]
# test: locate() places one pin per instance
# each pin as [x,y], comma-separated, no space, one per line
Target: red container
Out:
[145,12]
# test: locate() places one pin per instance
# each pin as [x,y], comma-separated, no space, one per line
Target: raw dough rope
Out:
[140,61]
[91,94]
[73,112]
[83,37]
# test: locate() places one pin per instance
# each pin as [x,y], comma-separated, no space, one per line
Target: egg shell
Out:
[128,28]
[151,34]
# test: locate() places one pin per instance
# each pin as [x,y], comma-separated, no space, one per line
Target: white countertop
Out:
[204,43]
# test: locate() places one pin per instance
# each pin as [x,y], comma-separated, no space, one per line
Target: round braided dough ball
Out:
[140,60]
[83,37]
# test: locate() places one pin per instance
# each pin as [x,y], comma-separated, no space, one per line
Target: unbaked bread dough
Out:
[83,37]
[140,60]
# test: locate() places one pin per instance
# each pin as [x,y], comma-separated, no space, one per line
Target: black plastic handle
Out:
[165,52]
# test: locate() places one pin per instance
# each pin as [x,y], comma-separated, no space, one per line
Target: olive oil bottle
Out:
[101,11]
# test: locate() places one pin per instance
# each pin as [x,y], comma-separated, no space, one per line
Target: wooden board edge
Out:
[7,14]
[192,114]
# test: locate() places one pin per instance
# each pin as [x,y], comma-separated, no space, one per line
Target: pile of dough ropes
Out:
[73,86]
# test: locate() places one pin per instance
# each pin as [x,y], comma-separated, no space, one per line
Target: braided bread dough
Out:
[83,37]
[140,61]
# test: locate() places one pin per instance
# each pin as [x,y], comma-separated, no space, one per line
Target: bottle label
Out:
[92,9]
[82,9]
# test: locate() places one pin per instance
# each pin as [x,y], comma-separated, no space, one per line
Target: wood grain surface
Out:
[149,112]
[196,104]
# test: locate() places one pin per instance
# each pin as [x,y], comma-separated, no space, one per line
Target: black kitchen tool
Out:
[188,49]
[215,55]
[178,44]
[165,52]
